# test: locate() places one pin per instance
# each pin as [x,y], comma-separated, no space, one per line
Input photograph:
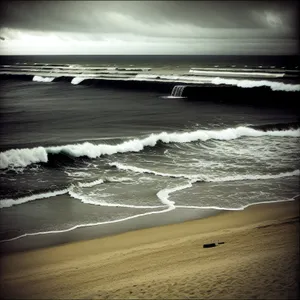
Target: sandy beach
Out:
[258,260]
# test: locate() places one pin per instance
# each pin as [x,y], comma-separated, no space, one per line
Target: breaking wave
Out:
[77,80]
[236,73]
[42,79]
[77,74]
[26,157]
[244,83]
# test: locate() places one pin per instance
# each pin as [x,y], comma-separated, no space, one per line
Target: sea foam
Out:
[25,157]
[205,178]
[275,86]
[77,80]
[42,79]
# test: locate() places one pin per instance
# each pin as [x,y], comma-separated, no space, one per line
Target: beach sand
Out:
[258,260]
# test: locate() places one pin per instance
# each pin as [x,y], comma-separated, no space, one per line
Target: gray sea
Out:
[75,155]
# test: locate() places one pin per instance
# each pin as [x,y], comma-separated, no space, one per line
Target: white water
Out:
[275,86]
[205,178]
[163,195]
[232,74]
[77,80]
[42,79]
[202,75]
[25,157]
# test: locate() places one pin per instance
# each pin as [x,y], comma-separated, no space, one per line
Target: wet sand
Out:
[258,260]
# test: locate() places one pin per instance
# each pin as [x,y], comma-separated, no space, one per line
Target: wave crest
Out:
[25,157]
[77,80]
[275,86]
[42,79]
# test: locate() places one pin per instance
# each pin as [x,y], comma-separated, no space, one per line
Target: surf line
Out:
[71,191]
[163,195]
[25,157]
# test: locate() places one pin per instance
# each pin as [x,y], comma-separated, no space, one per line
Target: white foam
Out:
[275,86]
[124,167]
[90,184]
[10,202]
[236,208]
[119,74]
[24,157]
[146,76]
[100,202]
[120,179]
[42,79]
[164,194]
[133,69]
[206,178]
[5,203]
[173,97]
[238,73]
[78,174]
[77,80]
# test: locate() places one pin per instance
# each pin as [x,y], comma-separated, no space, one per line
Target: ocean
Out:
[88,141]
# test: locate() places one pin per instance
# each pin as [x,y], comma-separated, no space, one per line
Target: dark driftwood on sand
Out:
[209,245]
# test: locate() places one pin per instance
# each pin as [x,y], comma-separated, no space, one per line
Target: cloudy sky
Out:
[149,27]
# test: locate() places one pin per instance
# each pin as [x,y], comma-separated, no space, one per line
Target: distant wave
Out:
[236,73]
[275,86]
[79,74]
[42,79]
[77,80]
[271,70]
[26,157]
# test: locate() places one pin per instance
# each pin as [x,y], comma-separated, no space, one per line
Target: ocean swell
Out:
[275,86]
[26,157]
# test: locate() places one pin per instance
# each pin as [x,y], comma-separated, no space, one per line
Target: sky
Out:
[149,27]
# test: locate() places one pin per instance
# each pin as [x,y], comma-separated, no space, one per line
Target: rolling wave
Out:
[241,83]
[236,73]
[26,157]
[42,79]
[244,83]
[78,74]
[77,80]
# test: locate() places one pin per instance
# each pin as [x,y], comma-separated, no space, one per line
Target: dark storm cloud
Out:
[118,16]
[192,27]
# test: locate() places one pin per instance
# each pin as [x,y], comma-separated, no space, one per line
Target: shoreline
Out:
[179,215]
[259,259]
[40,241]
